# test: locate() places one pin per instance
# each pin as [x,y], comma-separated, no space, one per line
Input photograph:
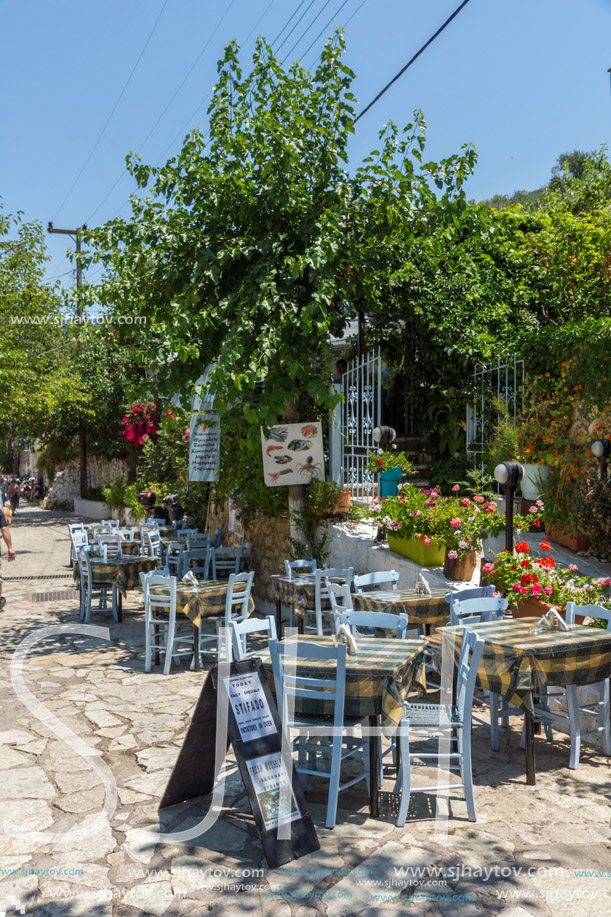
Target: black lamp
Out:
[509,475]
[601,450]
[383,436]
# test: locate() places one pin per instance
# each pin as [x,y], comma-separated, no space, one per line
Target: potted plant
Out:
[533,584]
[390,466]
[515,440]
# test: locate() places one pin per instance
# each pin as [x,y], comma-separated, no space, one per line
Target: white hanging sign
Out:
[292,454]
[204,447]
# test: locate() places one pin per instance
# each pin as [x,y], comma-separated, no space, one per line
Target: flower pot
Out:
[535,608]
[569,540]
[343,501]
[389,482]
[416,550]
[459,568]
[534,478]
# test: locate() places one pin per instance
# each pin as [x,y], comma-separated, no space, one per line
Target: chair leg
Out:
[605,715]
[544,702]
[336,761]
[494,720]
[169,646]
[148,648]
[466,771]
[574,725]
[403,783]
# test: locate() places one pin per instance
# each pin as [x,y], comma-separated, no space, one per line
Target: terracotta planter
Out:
[568,540]
[416,550]
[460,568]
[343,501]
[534,608]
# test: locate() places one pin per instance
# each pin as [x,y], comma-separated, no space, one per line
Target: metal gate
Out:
[360,412]
[503,381]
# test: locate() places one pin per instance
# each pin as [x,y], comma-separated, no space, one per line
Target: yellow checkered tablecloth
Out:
[203,601]
[299,592]
[515,661]
[420,609]
[124,574]
[378,678]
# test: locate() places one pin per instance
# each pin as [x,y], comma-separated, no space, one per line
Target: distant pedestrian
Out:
[13,494]
[6,534]
[3,481]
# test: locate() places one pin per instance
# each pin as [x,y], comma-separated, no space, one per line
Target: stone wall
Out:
[100,473]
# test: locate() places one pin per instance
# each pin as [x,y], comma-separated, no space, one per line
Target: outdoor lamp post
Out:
[509,475]
[383,436]
[601,450]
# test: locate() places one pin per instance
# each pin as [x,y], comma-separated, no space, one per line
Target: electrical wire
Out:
[414,58]
[303,34]
[112,111]
[286,38]
[288,22]
[325,27]
[322,31]
[182,83]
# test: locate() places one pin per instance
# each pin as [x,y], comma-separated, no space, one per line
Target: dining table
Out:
[298,592]
[421,609]
[519,657]
[124,574]
[378,680]
[206,600]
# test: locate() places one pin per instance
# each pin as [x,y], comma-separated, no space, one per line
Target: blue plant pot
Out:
[389,482]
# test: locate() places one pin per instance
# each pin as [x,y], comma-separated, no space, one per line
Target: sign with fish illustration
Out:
[292,454]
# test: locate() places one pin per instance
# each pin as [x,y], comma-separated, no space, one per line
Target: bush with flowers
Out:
[458,523]
[521,576]
[385,459]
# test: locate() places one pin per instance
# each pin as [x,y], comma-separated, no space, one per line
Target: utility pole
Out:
[76,235]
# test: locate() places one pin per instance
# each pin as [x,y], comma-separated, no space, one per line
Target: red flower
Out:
[545,546]
[522,547]
[525,563]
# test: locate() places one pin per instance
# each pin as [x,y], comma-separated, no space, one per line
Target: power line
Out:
[326,26]
[286,37]
[415,57]
[288,22]
[182,83]
[112,111]
[303,34]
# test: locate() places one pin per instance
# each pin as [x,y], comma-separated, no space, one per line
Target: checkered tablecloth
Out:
[124,574]
[420,609]
[378,678]
[516,661]
[299,592]
[203,601]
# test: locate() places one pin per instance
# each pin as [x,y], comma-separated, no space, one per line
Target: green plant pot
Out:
[389,482]
[417,550]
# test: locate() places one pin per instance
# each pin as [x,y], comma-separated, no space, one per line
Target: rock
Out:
[24,783]
[11,758]
[15,737]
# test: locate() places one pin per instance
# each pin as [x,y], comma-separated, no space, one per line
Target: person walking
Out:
[6,535]
[13,494]
[3,482]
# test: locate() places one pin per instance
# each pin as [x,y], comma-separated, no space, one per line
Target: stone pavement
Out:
[522,856]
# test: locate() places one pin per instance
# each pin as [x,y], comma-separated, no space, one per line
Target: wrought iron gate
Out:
[503,381]
[361,411]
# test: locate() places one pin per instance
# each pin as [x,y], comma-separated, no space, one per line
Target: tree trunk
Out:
[83,463]
[296,495]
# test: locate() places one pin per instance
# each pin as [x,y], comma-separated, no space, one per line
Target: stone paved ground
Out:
[519,858]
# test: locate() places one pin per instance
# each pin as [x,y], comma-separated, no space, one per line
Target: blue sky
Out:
[523,80]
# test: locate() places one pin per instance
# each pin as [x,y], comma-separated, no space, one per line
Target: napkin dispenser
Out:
[190,578]
[344,636]
[550,621]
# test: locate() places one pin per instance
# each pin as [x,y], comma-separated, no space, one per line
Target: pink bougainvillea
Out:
[140,422]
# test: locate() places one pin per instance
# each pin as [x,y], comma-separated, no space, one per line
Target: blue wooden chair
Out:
[450,724]
[314,737]
[382,577]
[160,619]
[299,566]
[240,630]
[90,591]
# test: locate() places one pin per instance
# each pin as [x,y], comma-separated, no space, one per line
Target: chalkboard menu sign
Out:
[204,445]
[253,728]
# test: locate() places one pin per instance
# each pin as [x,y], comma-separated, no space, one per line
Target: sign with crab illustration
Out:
[292,454]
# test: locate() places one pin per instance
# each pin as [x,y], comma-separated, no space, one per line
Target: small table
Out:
[206,600]
[515,662]
[299,593]
[378,680]
[420,609]
[124,574]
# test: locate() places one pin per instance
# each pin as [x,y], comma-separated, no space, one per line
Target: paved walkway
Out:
[521,857]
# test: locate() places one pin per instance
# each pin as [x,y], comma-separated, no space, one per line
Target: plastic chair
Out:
[321,594]
[236,609]
[91,591]
[376,579]
[225,561]
[452,723]
[240,630]
[289,686]
[600,709]
[160,613]
[302,566]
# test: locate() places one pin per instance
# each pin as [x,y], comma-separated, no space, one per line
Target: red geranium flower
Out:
[545,546]
[522,547]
